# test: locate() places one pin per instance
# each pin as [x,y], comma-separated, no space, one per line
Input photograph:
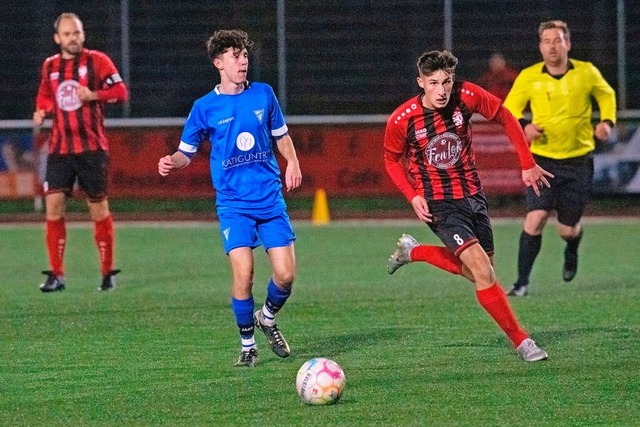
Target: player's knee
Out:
[483,274]
[98,210]
[568,235]
[242,288]
[284,279]
[568,232]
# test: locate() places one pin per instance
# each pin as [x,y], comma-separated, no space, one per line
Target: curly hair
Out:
[222,40]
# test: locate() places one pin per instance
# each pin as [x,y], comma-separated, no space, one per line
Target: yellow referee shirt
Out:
[562,107]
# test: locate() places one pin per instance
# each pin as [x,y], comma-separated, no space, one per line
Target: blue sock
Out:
[243,310]
[276,297]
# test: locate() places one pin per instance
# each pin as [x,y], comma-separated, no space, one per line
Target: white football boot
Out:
[402,255]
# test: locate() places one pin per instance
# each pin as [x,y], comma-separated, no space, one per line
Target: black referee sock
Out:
[527,253]
[572,244]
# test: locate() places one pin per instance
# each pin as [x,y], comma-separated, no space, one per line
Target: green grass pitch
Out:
[416,347]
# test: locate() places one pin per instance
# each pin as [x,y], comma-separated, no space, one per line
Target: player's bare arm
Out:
[293,175]
[535,178]
[175,161]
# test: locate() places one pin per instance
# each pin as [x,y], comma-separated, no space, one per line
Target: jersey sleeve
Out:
[44,98]
[394,148]
[491,108]
[604,95]
[112,87]
[194,132]
[480,100]
[514,132]
[518,97]
[277,123]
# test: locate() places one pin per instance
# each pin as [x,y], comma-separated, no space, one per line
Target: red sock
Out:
[104,240]
[496,304]
[56,238]
[438,256]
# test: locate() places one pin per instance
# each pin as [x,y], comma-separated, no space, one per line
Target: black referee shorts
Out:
[90,169]
[570,188]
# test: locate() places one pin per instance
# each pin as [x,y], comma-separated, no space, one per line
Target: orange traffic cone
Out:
[320,214]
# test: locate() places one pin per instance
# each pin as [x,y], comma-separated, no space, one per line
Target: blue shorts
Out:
[251,230]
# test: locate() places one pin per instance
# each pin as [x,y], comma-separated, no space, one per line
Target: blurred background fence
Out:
[339,68]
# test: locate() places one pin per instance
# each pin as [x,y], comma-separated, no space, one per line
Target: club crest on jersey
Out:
[82,71]
[259,114]
[67,95]
[444,150]
[458,120]
[245,141]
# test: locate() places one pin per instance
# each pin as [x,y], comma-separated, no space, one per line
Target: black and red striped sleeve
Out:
[394,148]
[112,88]
[516,135]
[45,99]
[491,108]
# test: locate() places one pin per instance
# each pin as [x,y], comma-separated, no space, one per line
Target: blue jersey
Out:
[242,129]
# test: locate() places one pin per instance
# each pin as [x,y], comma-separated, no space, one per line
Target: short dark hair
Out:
[222,40]
[65,15]
[435,60]
[561,25]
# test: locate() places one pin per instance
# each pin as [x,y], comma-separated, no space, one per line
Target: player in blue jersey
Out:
[242,120]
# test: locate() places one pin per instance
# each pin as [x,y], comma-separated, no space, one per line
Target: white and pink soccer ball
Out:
[320,381]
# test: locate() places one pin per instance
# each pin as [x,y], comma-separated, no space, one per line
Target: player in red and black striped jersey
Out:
[74,87]
[440,180]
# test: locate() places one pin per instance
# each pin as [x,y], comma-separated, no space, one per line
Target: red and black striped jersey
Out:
[78,127]
[437,143]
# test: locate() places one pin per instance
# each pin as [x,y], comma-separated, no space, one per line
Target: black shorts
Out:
[90,168]
[570,188]
[462,222]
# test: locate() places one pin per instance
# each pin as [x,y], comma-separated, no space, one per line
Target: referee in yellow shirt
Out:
[559,92]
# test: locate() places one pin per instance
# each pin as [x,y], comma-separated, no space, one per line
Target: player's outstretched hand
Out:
[536,178]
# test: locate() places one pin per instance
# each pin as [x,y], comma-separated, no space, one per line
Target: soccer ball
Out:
[320,381]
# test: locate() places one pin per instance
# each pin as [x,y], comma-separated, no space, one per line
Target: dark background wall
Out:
[347,57]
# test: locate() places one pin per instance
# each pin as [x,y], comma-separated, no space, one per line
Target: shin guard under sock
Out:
[495,303]
[243,311]
[437,256]
[105,241]
[56,238]
[527,253]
